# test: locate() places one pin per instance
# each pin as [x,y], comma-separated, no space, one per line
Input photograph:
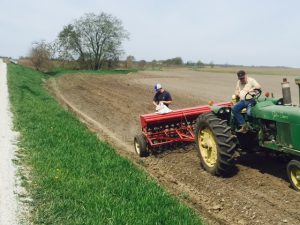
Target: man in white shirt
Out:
[244,85]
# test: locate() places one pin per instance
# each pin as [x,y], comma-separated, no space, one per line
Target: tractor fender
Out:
[220,111]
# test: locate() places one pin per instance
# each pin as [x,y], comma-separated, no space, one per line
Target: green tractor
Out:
[274,126]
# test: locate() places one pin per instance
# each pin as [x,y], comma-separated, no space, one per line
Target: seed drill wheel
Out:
[215,144]
[293,171]
[140,145]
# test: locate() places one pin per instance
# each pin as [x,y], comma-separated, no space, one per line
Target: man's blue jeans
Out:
[236,110]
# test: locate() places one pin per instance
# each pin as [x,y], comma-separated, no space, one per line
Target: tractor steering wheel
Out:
[253,94]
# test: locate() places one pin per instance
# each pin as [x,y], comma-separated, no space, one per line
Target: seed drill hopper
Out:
[166,129]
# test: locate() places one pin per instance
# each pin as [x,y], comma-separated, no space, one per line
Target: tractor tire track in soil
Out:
[258,193]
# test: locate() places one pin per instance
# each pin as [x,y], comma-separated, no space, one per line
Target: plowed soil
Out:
[258,193]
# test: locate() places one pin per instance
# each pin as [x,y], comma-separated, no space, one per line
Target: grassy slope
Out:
[75,178]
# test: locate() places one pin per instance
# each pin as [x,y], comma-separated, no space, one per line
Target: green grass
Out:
[61,71]
[74,177]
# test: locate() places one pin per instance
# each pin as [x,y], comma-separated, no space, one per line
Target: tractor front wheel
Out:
[293,171]
[215,144]
[140,145]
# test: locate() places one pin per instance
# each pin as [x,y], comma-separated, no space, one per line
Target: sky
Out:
[240,32]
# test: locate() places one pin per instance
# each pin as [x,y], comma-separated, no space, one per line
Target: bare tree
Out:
[142,63]
[40,55]
[129,61]
[93,39]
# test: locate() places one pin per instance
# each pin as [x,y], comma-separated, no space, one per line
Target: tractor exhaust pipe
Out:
[286,92]
[297,80]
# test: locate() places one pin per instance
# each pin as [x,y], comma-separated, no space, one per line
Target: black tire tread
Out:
[144,152]
[290,165]
[224,139]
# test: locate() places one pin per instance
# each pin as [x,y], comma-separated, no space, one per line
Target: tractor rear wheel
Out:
[140,145]
[215,144]
[293,171]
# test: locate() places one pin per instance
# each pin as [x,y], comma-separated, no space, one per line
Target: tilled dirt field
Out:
[258,193]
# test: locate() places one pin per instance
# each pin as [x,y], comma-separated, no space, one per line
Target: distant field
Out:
[253,70]
[230,69]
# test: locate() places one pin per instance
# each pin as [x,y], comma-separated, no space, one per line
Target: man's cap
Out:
[157,87]
[241,74]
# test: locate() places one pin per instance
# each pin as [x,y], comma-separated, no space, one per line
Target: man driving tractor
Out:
[245,84]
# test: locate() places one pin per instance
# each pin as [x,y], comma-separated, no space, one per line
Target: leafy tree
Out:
[174,61]
[200,64]
[92,40]
[178,61]
[190,63]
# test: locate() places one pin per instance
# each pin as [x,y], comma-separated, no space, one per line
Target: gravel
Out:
[8,178]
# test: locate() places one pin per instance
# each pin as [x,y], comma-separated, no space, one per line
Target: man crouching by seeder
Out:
[245,84]
[161,99]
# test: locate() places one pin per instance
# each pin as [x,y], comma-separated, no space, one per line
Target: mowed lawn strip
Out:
[74,177]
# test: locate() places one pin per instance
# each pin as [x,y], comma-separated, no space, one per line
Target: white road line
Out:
[8,198]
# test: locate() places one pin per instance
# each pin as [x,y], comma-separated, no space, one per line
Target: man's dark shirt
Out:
[162,96]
